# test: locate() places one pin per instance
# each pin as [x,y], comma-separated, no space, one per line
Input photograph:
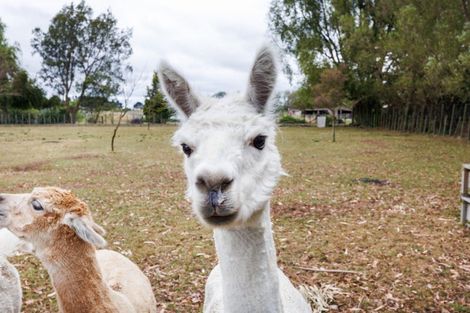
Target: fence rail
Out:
[51,117]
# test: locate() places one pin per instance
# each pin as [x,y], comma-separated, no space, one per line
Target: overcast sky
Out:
[211,42]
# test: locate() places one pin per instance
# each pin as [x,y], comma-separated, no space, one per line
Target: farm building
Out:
[310,115]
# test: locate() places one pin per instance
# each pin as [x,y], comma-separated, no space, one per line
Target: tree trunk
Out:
[121,115]
[451,126]
[463,119]
[457,126]
[445,126]
[466,10]
[334,128]
[441,123]
[468,128]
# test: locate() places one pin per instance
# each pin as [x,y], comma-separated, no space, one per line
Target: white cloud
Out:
[211,42]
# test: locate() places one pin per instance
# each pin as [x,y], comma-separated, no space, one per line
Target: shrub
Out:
[137,120]
[287,119]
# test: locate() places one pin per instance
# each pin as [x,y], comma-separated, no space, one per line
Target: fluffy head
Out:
[39,216]
[231,163]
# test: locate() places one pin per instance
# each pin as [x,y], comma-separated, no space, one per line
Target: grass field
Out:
[403,236]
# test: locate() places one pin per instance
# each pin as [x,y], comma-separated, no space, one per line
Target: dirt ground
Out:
[401,233]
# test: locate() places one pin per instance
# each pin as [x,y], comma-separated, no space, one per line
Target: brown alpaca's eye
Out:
[37,205]
[186,149]
[259,142]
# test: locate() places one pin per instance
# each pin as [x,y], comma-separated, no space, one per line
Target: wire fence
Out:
[133,117]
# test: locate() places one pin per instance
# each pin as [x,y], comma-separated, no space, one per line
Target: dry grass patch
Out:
[403,237]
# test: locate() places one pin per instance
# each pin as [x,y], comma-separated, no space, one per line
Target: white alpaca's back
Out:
[131,288]
[10,288]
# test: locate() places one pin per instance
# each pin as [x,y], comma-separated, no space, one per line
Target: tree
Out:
[330,92]
[404,62]
[53,102]
[127,90]
[26,94]
[82,54]
[155,105]
[97,104]
[138,105]
[8,62]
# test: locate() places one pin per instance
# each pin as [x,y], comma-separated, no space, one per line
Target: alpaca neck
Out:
[248,266]
[76,276]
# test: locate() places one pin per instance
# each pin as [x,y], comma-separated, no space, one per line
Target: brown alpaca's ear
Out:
[86,229]
[262,79]
[177,90]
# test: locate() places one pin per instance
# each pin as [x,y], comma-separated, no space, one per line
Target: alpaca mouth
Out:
[219,220]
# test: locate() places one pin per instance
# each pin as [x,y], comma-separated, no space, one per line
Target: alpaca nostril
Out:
[2,198]
[201,182]
[226,183]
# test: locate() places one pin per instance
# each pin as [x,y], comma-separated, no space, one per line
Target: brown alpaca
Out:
[63,233]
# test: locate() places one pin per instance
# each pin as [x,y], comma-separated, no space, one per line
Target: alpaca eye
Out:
[259,142]
[37,205]
[186,149]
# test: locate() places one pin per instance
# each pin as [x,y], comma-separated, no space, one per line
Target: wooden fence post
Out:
[468,128]
[464,213]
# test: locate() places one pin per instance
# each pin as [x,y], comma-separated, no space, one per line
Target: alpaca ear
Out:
[262,79]
[177,90]
[86,229]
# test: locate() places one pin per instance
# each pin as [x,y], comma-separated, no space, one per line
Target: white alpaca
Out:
[232,165]
[10,285]
[9,243]
[10,288]
[64,236]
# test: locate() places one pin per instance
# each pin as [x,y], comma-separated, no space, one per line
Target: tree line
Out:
[401,64]
[84,62]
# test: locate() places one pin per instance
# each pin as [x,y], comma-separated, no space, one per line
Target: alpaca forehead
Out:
[60,200]
[232,120]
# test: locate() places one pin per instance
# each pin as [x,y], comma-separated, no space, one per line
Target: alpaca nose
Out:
[213,183]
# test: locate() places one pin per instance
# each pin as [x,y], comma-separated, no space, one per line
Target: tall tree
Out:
[17,89]
[81,53]
[8,62]
[405,58]
[25,92]
[155,106]
[330,92]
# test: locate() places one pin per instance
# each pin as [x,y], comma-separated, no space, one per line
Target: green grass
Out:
[404,236]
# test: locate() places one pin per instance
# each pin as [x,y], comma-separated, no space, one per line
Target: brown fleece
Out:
[70,261]
[72,265]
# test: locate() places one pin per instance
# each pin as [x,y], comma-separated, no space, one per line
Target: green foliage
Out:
[82,55]
[287,119]
[412,56]
[301,98]
[329,92]
[96,105]
[17,89]
[26,93]
[155,106]
[53,102]
[8,62]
